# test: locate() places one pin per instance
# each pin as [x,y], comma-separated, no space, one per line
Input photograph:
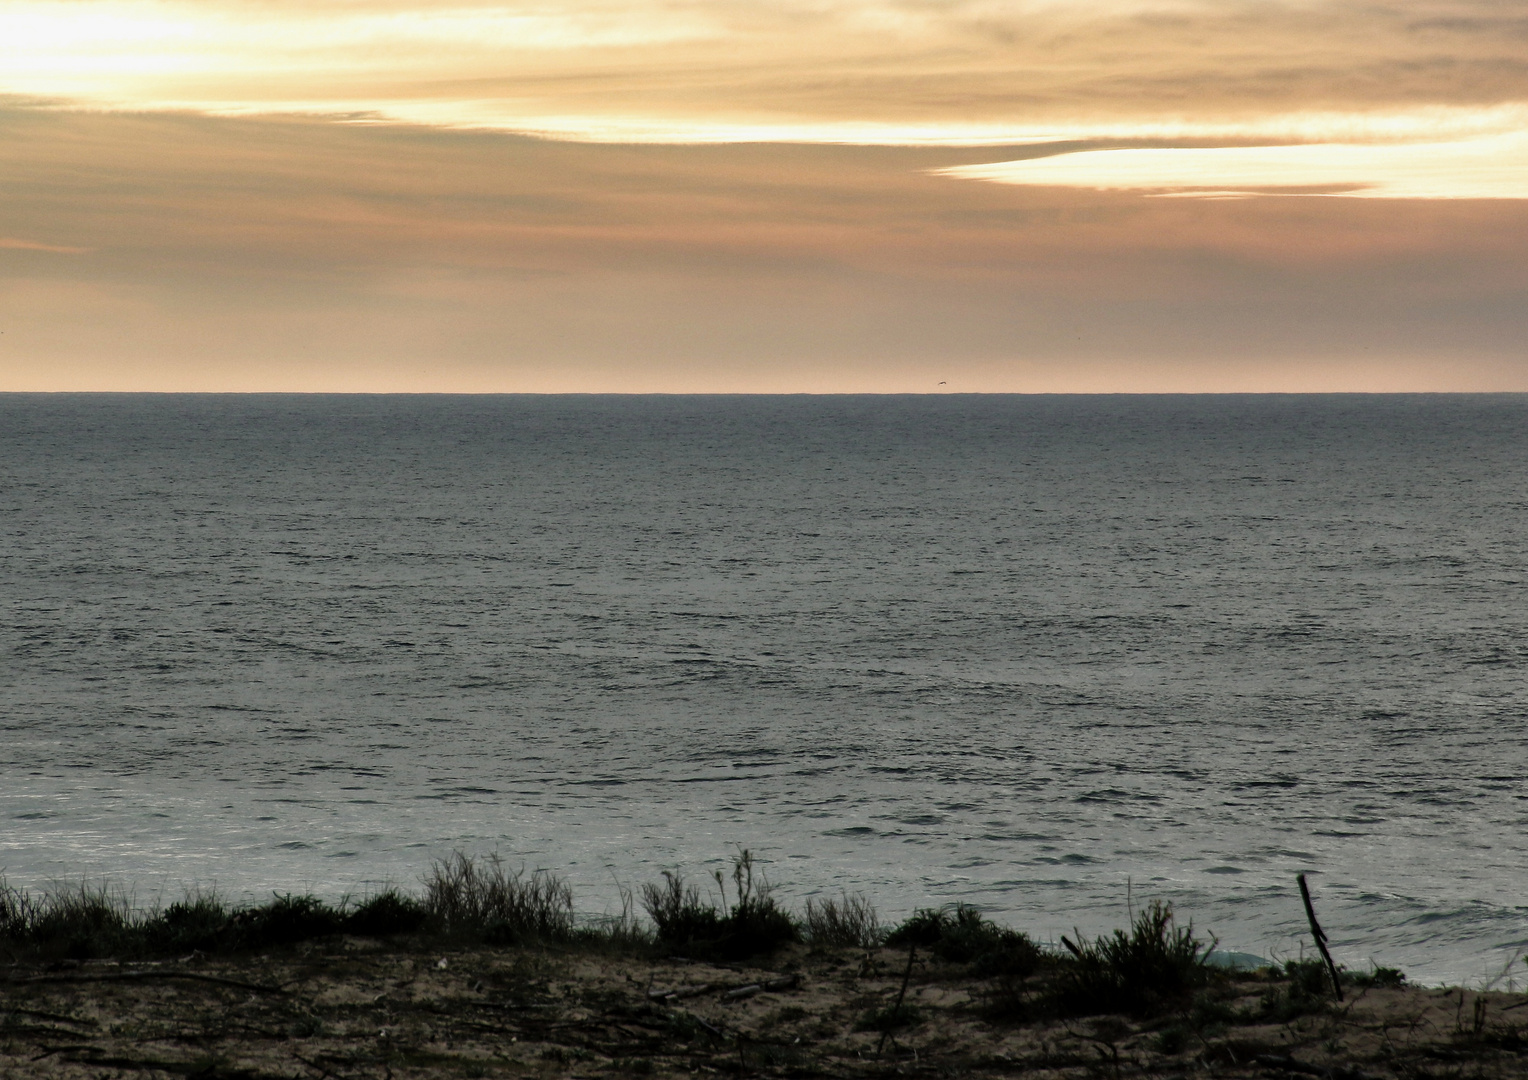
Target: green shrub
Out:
[1156,964]
[1380,977]
[687,923]
[923,928]
[1307,979]
[1306,989]
[960,934]
[679,913]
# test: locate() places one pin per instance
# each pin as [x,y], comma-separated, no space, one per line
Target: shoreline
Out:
[1471,969]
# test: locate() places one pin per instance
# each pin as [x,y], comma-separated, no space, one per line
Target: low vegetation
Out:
[485,971]
[849,922]
[1155,965]
[87,922]
[687,923]
[962,935]
[467,897]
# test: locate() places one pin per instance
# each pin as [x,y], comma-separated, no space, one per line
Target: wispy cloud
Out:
[1488,168]
[699,68]
[13,243]
[764,195]
[261,254]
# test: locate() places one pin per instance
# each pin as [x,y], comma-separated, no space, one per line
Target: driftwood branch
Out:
[1320,936]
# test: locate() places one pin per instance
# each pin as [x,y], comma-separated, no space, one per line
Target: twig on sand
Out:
[896,1010]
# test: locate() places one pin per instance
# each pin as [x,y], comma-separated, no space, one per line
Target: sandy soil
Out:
[355,1008]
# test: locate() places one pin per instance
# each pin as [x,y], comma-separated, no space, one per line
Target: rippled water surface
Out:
[1015,651]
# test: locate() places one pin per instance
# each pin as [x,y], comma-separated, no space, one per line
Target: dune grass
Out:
[688,923]
[478,897]
[849,922]
[1157,963]
[88,921]
[1154,966]
[960,934]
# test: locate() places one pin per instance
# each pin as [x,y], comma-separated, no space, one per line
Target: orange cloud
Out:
[867,69]
[13,243]
[260,254]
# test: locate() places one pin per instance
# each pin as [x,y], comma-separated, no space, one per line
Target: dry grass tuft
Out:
[479,897]
[849,922]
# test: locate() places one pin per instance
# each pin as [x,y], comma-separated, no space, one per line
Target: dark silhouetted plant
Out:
[960,934]
[199,923]
[79,922]
[480,898]
[286,920]
[679,913]
[850,922]
[1156,964]
[1305,989]
[387,913]
[1380,977]
[685,922]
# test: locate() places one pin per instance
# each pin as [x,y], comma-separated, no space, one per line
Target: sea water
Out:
[1052,656]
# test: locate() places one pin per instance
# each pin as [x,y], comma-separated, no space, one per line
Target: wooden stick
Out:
[896,1010]
[1320,936]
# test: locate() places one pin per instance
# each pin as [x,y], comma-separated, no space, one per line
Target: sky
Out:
[764,196]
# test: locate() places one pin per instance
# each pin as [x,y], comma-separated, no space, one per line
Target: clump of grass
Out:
[757,923]
[961,934]
[1306,988]
[15,910]
[850,922]
[623,932]
[286,920]
[679,912]
[1380,977]
[200,923]
[387,913]
[480,898]
[1155,965]
[83,922]
[79,922]
[686,922]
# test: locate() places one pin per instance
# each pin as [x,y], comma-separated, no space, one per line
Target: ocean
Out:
[1052,656]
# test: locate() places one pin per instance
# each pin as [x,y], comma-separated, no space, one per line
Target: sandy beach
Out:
[351,1007]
